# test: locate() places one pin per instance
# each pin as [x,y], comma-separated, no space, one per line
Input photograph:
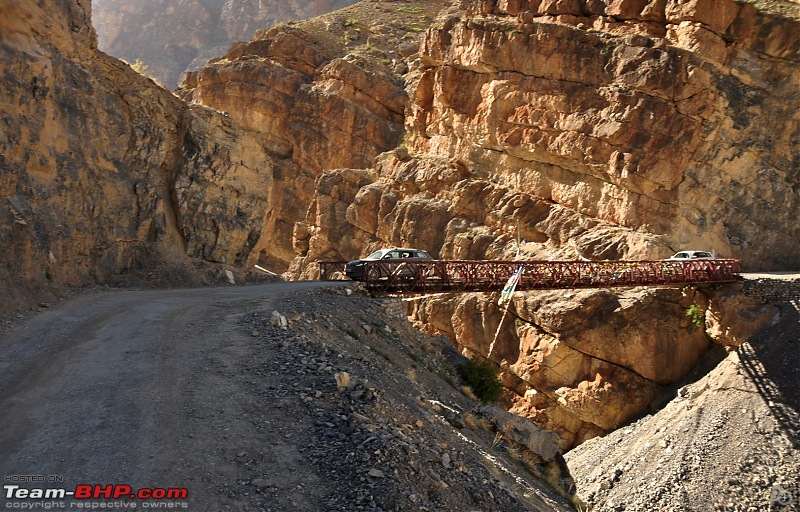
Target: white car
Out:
[691,255]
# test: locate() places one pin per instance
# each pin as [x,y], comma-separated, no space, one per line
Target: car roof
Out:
[693,253]
[402,249]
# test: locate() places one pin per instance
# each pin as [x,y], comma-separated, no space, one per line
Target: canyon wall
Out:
[102,171]
[624,129]
[619,130]
[174,36]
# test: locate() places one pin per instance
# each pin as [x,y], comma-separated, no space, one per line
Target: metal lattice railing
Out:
[385,277]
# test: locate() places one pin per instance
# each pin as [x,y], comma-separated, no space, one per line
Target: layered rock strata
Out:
[618,130]
[677,118]
[313,111]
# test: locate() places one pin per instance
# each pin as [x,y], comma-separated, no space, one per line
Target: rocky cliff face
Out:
[172,36]
[603,130]
[103,171]
[600,130]
[647,115]
[317,102]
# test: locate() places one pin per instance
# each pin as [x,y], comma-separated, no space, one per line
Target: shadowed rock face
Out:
[173,36]
[103,171]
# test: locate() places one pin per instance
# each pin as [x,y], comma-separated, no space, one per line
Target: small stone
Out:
[446,461]
[419,424]
[342,380]
[376,473]
[259,482]
[278,320]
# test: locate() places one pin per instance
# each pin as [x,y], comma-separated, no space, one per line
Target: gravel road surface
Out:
[199,389]
[137,388]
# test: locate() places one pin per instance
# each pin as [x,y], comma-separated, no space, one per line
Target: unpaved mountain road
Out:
[137,388]
[199,390]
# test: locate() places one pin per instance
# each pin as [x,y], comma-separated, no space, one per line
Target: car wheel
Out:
[373,273]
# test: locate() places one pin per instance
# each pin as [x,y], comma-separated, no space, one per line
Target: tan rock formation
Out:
[103,171]
[600,130]
[651,119]
[314,111]
[621,129]
[732,318]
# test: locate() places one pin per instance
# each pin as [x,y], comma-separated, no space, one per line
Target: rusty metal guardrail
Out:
[328,269]
[384,277]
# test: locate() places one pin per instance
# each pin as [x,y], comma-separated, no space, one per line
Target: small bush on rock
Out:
[481,375]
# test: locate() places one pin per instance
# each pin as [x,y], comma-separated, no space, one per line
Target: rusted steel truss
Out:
[387,277]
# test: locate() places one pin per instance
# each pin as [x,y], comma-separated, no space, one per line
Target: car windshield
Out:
[375,255]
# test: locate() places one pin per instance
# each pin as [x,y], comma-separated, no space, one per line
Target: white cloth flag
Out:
[511,285]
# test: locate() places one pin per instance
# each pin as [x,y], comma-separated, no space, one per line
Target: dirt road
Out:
[199,390]
[138,388]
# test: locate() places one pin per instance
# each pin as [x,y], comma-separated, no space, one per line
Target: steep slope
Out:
[726,442]
[174,36]
[103,171]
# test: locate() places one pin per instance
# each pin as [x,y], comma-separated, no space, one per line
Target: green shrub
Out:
[481,377]
[698,317]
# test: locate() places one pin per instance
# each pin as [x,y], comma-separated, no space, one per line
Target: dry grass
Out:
[783,8]
[374,30]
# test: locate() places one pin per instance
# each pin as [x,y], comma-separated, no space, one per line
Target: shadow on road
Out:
[772,360]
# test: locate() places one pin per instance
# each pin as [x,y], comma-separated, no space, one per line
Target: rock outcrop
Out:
[313,109]
[102,171]
[175,36]
[725,442]
[617,130]
[658,116]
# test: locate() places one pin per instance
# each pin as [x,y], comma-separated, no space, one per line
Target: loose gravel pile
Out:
[727,442]
[380,414]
